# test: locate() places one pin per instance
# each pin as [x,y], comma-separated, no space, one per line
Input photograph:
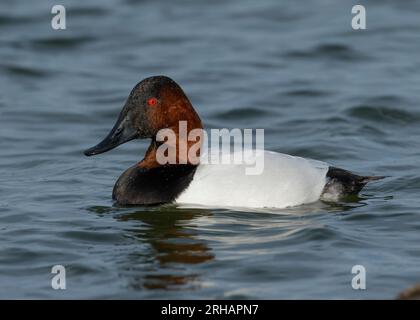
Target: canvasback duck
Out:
[158,103]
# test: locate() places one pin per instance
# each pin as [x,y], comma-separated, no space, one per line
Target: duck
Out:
[158,103]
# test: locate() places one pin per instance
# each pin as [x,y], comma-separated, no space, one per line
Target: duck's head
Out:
[155,103]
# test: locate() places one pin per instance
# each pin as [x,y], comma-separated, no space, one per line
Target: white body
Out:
[285,181]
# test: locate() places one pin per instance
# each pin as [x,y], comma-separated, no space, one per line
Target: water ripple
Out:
[384,114]
[338,52]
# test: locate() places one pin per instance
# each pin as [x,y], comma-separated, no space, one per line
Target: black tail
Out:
[342,183]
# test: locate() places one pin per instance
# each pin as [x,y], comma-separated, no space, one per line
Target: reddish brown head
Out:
[155,103]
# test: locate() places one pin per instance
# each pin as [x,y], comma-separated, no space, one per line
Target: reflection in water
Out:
[169,252]
[174,244]
[412,293]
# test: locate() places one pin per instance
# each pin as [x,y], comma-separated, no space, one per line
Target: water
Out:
[318,88]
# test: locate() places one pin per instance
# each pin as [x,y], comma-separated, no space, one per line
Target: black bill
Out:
[122,132]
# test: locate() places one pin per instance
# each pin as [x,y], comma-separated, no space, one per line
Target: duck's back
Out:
[284,181]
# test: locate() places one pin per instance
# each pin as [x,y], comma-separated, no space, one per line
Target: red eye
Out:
[152,101]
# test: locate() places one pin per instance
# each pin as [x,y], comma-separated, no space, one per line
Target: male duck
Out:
[157,103]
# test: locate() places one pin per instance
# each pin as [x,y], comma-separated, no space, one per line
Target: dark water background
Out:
[298,70]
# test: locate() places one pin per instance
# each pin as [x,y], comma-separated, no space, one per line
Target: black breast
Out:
[138,186]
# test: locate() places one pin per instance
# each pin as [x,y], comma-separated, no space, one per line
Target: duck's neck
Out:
[149,161]
[186,152]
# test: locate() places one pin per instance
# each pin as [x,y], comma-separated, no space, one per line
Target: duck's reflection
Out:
[175,246]
[170,251]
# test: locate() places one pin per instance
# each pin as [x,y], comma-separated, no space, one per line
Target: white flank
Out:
[285,181]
